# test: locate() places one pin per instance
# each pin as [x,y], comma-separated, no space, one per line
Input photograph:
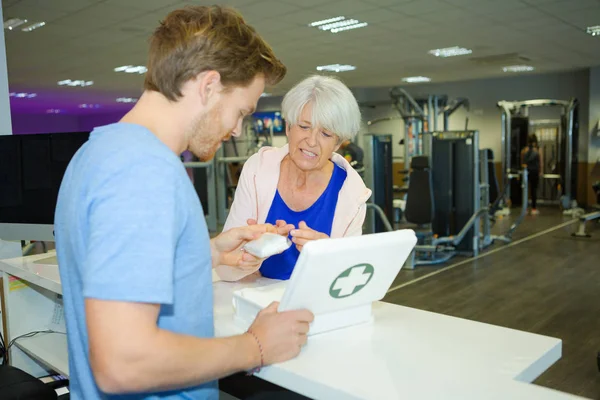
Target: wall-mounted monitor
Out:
[263,121]
[31,171]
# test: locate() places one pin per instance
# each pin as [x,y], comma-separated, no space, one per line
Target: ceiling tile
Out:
[304,17]
[266,9]
[380,15]
[33,14]
[100,15]
[347,8]
[146,5]
[54,5]
[387,3]
[422,7]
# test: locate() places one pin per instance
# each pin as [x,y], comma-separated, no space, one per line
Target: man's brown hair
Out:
[195,39]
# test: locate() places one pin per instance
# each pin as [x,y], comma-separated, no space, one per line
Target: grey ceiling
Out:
[87,39]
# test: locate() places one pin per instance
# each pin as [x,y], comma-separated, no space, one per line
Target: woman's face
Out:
[311,147]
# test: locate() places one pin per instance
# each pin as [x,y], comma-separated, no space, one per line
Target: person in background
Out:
[353,153]
[531,157]
[304,187]
[134,251]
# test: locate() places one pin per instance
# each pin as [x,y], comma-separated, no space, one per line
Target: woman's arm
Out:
[355,227]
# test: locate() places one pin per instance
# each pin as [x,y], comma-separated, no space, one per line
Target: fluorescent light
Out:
[265,94]
[12,23]
[69,82]
[33,26]
[336,68]
[89,106]
[450,52]
[347,28]
[593,30]
[416,79]
[338,24]
[131,69]
[126,100]
[52,111]
[518,68]
[326,21]
[23,95]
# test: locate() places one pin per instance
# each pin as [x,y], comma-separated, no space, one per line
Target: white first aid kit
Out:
[336,279]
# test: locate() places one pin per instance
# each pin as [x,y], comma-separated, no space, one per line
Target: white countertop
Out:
[39,269]
[404,348]
[405,353]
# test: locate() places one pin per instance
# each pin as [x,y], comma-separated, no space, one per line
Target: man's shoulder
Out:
[128,148]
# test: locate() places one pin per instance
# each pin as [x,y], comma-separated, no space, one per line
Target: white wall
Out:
[594,112]
[5,124]
[483,95]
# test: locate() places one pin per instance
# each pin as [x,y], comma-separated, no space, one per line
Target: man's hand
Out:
[226,249]
[304,234]
[283,228]
[281,334]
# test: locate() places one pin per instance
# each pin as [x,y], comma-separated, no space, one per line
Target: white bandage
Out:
[268,245]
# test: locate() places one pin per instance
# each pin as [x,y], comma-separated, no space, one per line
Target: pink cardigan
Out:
[256,190]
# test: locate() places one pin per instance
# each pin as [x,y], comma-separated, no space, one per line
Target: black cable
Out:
[5,349]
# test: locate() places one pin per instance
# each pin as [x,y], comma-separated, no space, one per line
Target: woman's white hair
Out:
[333,105]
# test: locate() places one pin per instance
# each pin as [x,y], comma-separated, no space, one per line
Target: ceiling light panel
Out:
[126,100]
[23,95]
[132,69]
[33,27]
[337,24]
[336,68]
[74,83]
[518,68]
[593,30]
[13,23]
[450,52]
[416,79]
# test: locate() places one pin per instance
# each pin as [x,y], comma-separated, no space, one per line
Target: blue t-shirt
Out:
[319,217]
[129,227]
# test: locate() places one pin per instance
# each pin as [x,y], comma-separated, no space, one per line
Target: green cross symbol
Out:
[351,281]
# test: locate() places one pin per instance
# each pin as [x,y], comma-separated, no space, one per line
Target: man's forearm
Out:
[169,361]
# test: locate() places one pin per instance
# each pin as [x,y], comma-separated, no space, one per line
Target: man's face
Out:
[224,119]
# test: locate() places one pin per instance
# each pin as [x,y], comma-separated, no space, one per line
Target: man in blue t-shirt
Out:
[134,252]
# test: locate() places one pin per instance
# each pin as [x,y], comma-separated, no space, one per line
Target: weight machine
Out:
[558,141]
[419,116]
[584,218]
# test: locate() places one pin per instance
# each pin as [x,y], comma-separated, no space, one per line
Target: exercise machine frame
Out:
[522,107]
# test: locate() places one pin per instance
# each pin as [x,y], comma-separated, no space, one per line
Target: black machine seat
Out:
[16,384]
[419,199]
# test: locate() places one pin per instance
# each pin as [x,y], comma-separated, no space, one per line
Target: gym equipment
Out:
[458,204]
[378,177]
[561,164]
[584,218]
[444,200]
[489,185]
[204,177]
[419,116]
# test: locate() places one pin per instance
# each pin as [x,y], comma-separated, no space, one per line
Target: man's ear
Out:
[209,85]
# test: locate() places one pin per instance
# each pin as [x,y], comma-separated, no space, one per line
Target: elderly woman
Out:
[304,188]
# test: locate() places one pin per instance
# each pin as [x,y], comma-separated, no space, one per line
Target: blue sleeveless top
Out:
[319,217]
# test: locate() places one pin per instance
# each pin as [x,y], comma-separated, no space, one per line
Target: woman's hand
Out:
[226,249]
[304,234]
[282,227]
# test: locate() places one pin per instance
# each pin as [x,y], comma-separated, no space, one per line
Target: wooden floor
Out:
[548,285]
[548,218]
